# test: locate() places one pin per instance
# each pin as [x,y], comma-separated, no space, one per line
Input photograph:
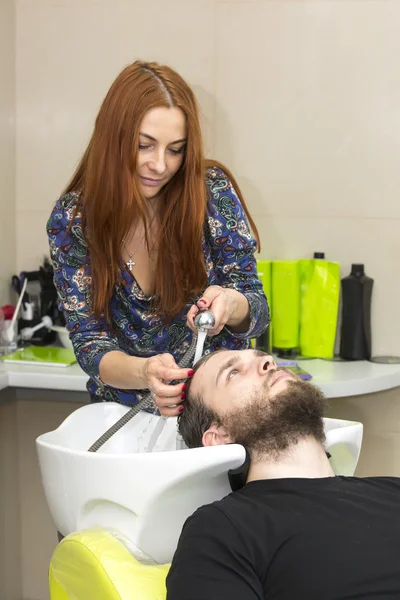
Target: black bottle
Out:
[355,342]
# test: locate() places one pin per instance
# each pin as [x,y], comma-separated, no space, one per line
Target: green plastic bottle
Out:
[286,306]
[319,306]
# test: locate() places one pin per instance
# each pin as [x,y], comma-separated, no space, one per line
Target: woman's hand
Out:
[228,306]
[157,371]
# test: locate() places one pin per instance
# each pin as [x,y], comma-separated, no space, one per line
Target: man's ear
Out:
[215,436]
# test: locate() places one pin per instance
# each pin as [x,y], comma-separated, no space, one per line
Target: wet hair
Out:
[197,417]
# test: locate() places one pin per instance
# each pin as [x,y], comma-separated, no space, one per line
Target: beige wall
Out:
[300,98]
[7,147]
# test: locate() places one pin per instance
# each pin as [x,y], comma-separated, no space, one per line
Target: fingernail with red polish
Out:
[183,396]
[181,409]
[190,373]
[184,387]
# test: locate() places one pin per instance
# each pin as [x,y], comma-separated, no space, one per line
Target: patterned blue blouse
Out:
[229,258]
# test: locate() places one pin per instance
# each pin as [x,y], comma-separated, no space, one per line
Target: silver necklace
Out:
[131,263]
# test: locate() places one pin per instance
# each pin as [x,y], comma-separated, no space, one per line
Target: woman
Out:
[146,234]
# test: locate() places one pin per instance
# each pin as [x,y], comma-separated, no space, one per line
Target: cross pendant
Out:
[130,264]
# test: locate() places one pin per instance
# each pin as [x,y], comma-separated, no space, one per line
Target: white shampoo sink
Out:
[147,496]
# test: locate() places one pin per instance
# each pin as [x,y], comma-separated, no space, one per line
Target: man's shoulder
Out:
[381,481]
[214,517]
[212,511]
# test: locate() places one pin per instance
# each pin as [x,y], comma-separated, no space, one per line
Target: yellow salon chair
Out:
[94,565]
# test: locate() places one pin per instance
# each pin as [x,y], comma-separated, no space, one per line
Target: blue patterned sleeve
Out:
[233,249]
[90,337]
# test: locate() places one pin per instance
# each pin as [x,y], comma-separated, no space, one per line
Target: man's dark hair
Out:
[195,420]
[197,417]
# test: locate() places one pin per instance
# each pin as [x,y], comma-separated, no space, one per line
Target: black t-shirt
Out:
[336,538]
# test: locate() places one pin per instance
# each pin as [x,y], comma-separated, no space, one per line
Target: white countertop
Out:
[338,379]
[71,378]
[335,379]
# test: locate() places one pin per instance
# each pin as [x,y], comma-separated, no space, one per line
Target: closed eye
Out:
[178,151]
[172,150]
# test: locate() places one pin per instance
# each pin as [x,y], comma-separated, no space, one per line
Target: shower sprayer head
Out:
[204,320]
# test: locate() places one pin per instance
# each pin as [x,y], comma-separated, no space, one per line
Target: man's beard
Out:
[268,427]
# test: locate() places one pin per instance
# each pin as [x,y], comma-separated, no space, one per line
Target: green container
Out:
[264,274]
[286,304]
[319,306]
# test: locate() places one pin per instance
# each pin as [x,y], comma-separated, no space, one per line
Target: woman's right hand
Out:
[157,371]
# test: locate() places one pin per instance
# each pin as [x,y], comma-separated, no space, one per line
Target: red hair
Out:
[110,199]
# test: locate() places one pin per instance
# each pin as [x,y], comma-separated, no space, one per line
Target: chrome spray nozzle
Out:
[204,320]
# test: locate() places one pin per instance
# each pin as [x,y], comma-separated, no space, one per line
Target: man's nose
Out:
[265,364]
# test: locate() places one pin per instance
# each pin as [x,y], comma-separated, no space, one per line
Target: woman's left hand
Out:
[222,302]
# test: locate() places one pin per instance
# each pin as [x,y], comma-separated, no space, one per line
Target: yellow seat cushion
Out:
[94,565]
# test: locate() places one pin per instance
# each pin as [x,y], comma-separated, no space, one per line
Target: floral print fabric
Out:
[228,248]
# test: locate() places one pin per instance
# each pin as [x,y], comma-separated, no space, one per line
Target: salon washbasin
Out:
[147,496]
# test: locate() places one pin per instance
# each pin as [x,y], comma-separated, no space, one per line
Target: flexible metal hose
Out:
[146,402]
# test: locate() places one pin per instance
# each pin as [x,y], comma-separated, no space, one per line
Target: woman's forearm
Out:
[239,320]
[119,370]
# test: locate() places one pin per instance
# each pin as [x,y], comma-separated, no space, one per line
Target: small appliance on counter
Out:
[40,300]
